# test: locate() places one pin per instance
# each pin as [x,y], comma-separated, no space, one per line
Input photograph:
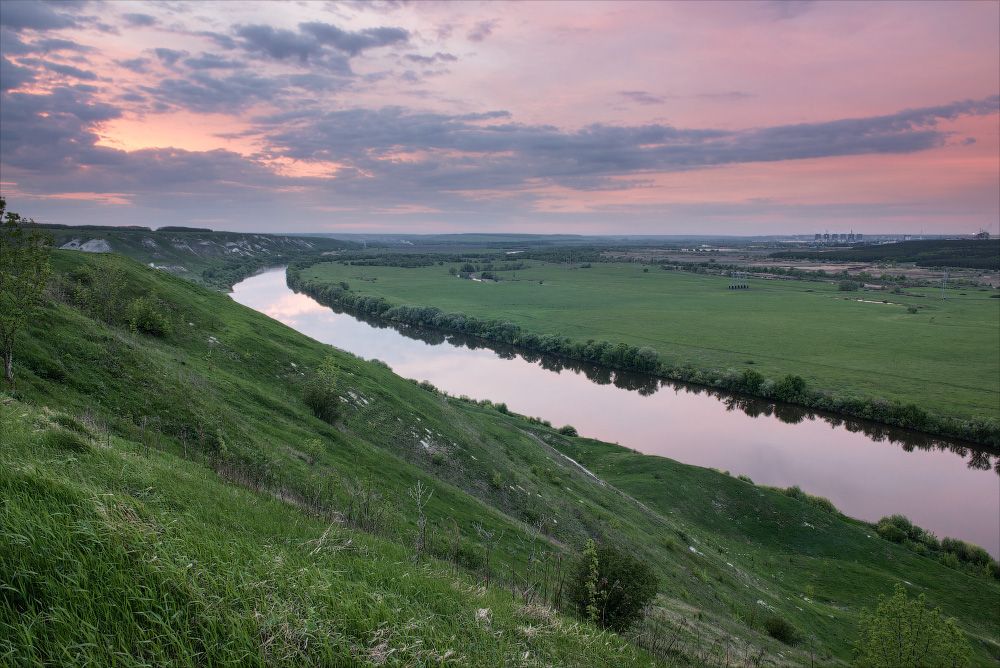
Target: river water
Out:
[866,470]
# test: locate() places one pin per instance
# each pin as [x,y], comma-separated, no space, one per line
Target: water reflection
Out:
[980,458]
[867,470]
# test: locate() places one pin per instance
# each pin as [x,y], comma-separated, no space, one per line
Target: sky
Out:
[591,118]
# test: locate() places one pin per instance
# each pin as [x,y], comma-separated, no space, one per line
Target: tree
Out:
[905,633]
[611,587]
[321,393]
[24,272]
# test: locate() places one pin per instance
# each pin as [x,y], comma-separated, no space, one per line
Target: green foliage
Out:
[24,273]
[321,393]
[781,629]
[146,316]
[951,552]
[568,430]
[820,502]
[848,286]
[905,633]
[610,587]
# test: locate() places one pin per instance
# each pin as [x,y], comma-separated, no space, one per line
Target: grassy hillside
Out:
[172,499]
[216,259]
[969,253]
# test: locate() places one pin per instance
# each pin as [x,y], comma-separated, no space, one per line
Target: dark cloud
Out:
[438,57]
[169,56]
[641,97]
[354,42]
[139,20]
[13,76]
[205,91]
[211,61]
[70,71]
[279,43]
[139,65]
[321,44]
[64,141]
[223,41]
[19,14]
[482,30]
[56,44]
[506,154]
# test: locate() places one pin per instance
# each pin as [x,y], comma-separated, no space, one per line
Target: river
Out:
[866,470]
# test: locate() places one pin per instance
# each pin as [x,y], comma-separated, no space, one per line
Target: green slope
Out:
[202,514]
[216,259]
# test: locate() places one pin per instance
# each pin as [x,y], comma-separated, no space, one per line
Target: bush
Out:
[848,286]
[610,587]
[568,430]
[781,629]
[897,528]
[145,315]
[320,392]
[904,632]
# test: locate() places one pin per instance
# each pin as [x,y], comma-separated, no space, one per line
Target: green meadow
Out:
[943,357]
[170,499]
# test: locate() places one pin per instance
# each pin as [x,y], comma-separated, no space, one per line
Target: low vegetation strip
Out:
[966,253]
[793,388]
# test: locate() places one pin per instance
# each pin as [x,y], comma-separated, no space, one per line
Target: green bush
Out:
[905,632]
[610,587]
[568,430]
[781,629]
[145,315]
[848,286]
[320,393]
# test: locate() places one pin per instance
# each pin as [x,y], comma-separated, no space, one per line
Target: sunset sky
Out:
[596,117]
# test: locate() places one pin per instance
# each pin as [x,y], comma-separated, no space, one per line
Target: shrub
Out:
[781,629]
[610,587]
[320,392]
[568,430]
[745,478]
[897,528]
[848,286]
[145,315]
[905,632]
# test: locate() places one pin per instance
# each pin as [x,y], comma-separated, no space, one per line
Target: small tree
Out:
[611,587]
[321,393]
[905,633]
[24,272]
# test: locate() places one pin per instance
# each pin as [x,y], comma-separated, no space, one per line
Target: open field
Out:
[183,478]
[944,357]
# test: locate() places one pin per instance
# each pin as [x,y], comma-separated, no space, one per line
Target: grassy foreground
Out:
[171,500]
[943,358]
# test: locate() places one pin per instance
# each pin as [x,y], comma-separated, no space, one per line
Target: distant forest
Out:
[967,253]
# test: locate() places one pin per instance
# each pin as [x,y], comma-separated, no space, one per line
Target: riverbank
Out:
[368,296]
